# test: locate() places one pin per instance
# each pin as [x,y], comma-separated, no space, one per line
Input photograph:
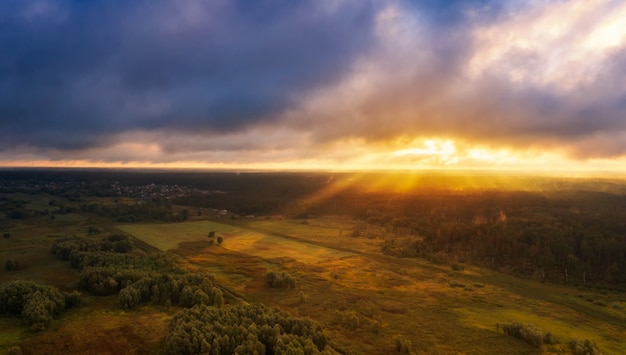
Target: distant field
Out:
[38,202]
[332,231]
[242,240]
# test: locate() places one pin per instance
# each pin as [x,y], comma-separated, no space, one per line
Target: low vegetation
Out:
[538,338]
[280,279]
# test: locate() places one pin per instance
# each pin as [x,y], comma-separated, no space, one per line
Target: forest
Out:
[575,237]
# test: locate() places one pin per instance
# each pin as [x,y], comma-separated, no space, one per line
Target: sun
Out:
[443,151]
[451,153]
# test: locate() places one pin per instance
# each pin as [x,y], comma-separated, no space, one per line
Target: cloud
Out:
[543,75]
[318,81]
[75,74]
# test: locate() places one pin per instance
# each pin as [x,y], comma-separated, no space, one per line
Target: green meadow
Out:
[237,239]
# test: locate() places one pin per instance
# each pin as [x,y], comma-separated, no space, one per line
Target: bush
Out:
[280,279]
[527,332]
[403,345]
[129,297]
[72,299]
[14,265]
[347,319]
[584,347]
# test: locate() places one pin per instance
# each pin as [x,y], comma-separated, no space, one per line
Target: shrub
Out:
[402,345]
[347,319]
[527,332]
[14,265]
[280,279]
[584,347]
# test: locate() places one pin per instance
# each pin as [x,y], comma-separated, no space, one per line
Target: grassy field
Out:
[110,330]
[35,202]
[327,230]
[238,239]
[29,245]
[438,309]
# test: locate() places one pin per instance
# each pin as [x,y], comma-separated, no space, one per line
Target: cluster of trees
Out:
[37,304]
[575,237]
[584,347]
[280,279]
[527,332]
[243,329]
[67,247]
[109,266]
[13,208]
[537,337]
[347,319]
[145,211]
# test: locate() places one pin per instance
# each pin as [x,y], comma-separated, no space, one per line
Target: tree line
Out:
[575,237]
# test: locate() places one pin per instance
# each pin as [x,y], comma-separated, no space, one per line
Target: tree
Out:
[129,297]
[12,265]
[280,279]
[220,240]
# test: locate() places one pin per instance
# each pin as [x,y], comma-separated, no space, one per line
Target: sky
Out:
[531,85]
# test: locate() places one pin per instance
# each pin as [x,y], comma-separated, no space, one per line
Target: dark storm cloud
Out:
[73,73]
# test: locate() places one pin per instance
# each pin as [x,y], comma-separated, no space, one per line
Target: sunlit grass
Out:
[438,309]
[11,329]
[242,240]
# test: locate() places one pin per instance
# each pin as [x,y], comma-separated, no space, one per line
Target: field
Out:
[110,331]
[237,239]
[438,309]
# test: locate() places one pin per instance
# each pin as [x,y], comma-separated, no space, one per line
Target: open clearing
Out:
[438,309]
[238,239]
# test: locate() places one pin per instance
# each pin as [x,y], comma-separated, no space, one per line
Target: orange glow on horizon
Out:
[421,154]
